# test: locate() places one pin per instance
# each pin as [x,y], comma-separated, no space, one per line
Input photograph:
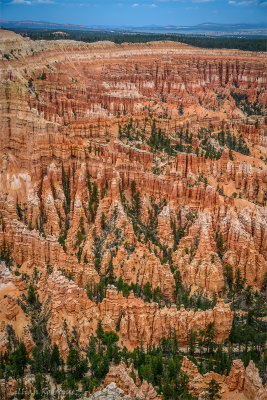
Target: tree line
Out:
[207,42]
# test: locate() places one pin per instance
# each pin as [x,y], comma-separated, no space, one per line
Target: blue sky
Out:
[135,12]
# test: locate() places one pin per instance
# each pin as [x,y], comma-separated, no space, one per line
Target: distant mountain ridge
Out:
[208,27]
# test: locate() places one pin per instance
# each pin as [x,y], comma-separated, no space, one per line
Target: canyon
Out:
[133,177]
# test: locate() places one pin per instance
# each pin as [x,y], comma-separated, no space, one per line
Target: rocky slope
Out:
[119,167]
[139,321]
[242,383]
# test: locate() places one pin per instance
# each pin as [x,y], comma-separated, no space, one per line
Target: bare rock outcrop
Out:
[253,387]
[117,166]
[120,375]
[139,320]
[241,380]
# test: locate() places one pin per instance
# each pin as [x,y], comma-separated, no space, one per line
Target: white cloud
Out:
[44,2]
[31,2]
[153,5]
[242,2]
[202,1]
[27,2]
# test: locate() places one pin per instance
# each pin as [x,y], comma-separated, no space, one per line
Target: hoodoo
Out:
[133,235]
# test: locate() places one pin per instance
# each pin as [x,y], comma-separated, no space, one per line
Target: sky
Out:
[135,12]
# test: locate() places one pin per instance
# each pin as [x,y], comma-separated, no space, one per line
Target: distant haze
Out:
[202,29]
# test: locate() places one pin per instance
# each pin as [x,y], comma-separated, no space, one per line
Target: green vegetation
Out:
[5,254]
[146,231]
[32,88]
[83,371]
[242,102]
[108,229]
[93,198]
[249,326]
[97,292]
[133,211]
[196,301]
[66,206]
[213,391]
[42,76]
[30,83]
[250,44]
[19,210]
[66,190]
[159,141]
[232,142]
[131,132]
[178,231]
[86,368]
[41,221]
[219,244]
[80,238]
[160,365]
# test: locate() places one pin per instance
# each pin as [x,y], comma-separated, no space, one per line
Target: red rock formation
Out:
[235,380]
[253,388]
[11,288]
[240,381]
[120,375]
[62,137]
[139,321]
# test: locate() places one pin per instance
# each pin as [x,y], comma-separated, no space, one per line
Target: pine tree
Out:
[220,245]
[99,330]
[66,190]
[19,210]
[192,342]
[31,295]
[147,292]
[93,202]
[133,188]
[228,272]
[42,388]
[137,204]
[239,281]
[20,390]
[19,360]
[55,358]
[73,358]
[120,131]
[103,221]
[213,390]
[110,273]
[91,351]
